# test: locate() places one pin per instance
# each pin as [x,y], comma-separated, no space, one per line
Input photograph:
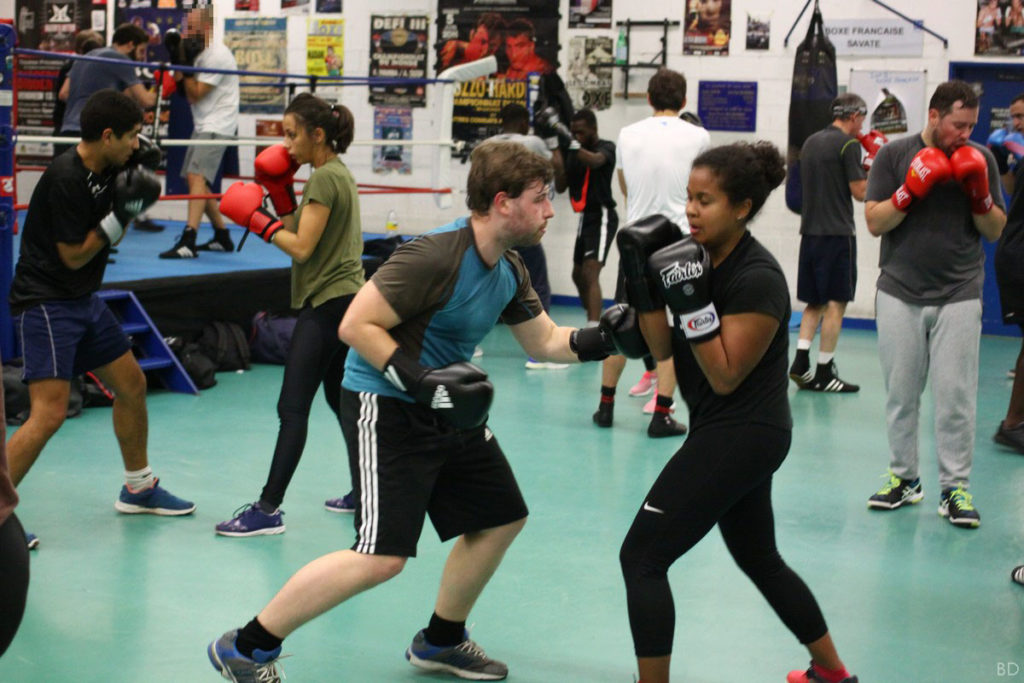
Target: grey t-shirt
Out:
[531,142]
[934,256]
[89,77]
[829,162]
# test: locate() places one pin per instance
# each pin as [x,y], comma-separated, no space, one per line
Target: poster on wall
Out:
[589,85]
[523,37]
[51,26]
[708,27]
[328,6]
[392,123]
[759,30]
[999,28]
[258,44]
[247,5]
[325,53]
[590,13]
[896,100]
[294,6]
[398,49]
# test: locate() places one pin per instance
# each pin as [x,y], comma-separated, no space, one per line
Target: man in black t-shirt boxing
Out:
[79,209]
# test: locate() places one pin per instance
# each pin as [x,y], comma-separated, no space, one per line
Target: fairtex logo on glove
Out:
[441,398]
[677,272]
[703,322]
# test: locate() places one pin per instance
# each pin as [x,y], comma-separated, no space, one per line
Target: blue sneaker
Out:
[153,501]
[31,541]
[465,660]
[344,504]
[235,666]
[250,520]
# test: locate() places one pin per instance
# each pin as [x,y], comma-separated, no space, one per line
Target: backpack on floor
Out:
[200,368]
[226,345]
[271,336]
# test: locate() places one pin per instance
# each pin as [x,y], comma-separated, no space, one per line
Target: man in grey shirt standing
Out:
[830,173]
[928,305]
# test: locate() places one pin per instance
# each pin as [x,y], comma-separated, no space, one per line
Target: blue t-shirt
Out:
[90,77]
[447,298]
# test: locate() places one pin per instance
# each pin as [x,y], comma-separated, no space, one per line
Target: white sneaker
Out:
[477,352]
[649,406]
[648,382]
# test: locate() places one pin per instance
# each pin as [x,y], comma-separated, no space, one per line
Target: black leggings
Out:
[721,475]
[13,579]
[315,356]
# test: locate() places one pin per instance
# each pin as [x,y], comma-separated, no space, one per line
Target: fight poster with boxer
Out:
[590,13]
[398,49]
[392,123]
[155,22]
[588,85]
[999,28]
[51,26]
[258,44]
[325,54]
[897,100]
[708,27]
[521,34]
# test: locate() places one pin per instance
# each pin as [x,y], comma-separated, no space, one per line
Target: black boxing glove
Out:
[617,332]
[135,190]
[172,43]
[683,274]
[148,155]
[460,392]
[637,241]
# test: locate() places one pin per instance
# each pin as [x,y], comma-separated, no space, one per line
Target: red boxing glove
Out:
[275,170]
[243,203]
[928,168]
[872,142]
[166,85]
[970,169]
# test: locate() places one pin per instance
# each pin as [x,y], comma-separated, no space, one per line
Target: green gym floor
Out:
[907,596]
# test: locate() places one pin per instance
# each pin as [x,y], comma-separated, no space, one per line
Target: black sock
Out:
[265,507]
[664,401]
[253,636]
[607,394]
[444,633]
[649,364]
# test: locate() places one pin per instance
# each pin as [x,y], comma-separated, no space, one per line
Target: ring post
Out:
[8,186]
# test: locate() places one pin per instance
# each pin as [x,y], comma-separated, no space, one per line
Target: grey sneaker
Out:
[235,666]
[465,660]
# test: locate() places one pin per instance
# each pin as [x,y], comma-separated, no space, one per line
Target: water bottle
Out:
[620,47]
[391,224]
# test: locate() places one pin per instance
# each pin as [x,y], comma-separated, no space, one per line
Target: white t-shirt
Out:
[218,111]
[655,156]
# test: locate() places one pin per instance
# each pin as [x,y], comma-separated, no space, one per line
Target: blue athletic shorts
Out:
[63,339]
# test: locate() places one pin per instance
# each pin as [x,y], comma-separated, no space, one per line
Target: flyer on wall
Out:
[392,123]
[590,14]
[708,27]
[588,85]
[258,44]
[398,49]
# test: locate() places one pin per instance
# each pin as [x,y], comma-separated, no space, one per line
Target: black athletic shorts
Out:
[406,461]
[827,269]
[594,235]
[1009,265]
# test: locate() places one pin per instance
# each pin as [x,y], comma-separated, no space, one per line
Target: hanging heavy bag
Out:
[810,106]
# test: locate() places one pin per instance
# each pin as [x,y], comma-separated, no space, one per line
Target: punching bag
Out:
[814,87]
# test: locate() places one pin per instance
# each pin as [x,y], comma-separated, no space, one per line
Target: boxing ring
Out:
[179,296]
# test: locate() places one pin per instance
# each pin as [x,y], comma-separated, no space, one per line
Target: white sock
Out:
[139,480]
[591,323]
[825,358]
[803,344]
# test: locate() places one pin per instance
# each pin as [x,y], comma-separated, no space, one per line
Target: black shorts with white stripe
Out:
[407,462]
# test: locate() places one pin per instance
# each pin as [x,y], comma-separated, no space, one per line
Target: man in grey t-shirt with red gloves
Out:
[930,199]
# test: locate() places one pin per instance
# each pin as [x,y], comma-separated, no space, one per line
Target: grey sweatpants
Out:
[941,344]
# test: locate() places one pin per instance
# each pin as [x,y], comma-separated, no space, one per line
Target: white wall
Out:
[772,69]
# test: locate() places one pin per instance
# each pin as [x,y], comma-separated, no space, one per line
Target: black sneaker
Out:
[221,242]
[662,425]
[800,370]
[146,225]
[957,507]
[827,379]
[185,247]
[896,492]
[1012,437]
[603,416]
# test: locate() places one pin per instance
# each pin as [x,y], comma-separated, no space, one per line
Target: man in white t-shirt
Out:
[653,162]
[214,100]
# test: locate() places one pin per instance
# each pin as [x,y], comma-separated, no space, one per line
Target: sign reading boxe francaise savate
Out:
[728,105]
